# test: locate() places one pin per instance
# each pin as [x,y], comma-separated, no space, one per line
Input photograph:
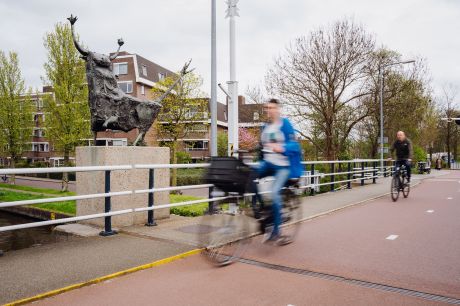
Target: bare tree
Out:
[449,110]
[322,80]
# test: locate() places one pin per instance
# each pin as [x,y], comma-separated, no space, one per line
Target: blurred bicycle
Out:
[229,224]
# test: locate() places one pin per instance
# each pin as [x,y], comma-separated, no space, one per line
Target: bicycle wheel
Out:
[405,187]
[395,188]
[223,234]
[291,217]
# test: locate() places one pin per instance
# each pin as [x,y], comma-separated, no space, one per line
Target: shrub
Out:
[183,157]
[419,155]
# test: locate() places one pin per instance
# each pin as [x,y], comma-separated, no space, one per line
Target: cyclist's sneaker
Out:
[271,238]
[408,179]
[283,240]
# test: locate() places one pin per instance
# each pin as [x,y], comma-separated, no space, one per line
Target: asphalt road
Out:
[363,253]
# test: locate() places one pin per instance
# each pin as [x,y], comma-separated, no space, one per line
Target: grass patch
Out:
[36,189]
[67,207]
[188,210]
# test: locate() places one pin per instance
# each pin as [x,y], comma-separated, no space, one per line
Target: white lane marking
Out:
[392,237]
[450,198]
[430,211]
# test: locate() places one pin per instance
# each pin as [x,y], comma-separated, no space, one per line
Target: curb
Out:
[103,278]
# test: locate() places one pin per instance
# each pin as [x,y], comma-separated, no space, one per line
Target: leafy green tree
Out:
[68,120]
[181,113]
[222,144]
[16,119]
[419,155]
[183,157]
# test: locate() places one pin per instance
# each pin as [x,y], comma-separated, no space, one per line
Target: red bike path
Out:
[377,253]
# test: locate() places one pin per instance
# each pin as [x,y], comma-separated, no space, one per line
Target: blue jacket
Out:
[292,149]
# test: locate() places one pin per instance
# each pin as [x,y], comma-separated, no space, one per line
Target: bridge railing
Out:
[341,174]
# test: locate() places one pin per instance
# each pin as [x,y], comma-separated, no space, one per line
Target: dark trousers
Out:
[406,163]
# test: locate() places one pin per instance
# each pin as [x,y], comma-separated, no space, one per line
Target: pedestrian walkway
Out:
[28,272]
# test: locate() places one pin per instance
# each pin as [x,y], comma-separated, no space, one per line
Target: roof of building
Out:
[153,69]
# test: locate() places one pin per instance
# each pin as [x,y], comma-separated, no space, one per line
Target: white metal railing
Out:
[312,182]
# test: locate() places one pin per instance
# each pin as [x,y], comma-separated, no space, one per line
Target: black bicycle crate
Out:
[229,174]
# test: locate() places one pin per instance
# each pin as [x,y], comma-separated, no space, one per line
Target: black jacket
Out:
[403,149]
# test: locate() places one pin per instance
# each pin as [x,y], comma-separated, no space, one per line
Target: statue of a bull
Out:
[110,107]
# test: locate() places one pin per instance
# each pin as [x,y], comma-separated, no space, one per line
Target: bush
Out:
[419,155]
[193,176]
[183,157]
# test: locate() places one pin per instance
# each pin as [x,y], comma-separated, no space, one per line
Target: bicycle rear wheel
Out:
[224,234]
[406,187]
[395,188]
[292,215]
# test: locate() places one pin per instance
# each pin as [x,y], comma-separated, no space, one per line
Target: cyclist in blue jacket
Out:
[281,158]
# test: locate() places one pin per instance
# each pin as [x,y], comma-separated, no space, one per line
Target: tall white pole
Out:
[381,76]
[232,12]
[213,81]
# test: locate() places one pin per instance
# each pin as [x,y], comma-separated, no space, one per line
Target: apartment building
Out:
[136,76]
[39,149]
[197,142]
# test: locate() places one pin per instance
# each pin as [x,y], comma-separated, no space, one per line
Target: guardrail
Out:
[355,170]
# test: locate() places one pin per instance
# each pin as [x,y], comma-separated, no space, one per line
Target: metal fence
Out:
[341,174]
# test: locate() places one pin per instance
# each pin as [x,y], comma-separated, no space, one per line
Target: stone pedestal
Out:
[121,180]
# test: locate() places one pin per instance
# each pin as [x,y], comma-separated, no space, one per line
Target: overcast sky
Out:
[170,32]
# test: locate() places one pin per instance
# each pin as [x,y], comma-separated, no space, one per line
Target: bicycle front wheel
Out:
[395,188]
[292,215]
[406,188]
[223,235]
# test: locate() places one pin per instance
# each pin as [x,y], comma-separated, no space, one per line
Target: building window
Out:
[39,103]
[161,76]
[142,90]
[196,145]
[39,133]
[120,68]
[126,87]
[144,70]
[40,147]
[256,116]
[39,117]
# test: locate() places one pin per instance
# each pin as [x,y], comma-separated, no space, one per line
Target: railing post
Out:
[332,177]
[312,180]
[349,176]
[384,170]
[108,207]
[151,199]
[374,173]
[362,173]
[211,204]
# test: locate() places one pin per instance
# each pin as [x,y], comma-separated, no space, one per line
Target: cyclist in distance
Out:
[281,158]
[404,152]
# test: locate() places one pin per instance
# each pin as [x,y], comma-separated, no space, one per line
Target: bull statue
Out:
[110,107]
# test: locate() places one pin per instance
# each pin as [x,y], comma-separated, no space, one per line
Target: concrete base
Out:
[76,229]
[93,182]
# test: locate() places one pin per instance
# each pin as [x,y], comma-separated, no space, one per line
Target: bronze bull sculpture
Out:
[110,107]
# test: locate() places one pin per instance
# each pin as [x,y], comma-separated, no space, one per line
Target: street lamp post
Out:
[381,79]
[232,12]
[213,81]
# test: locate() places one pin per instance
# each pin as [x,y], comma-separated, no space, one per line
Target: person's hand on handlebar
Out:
[275,147]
